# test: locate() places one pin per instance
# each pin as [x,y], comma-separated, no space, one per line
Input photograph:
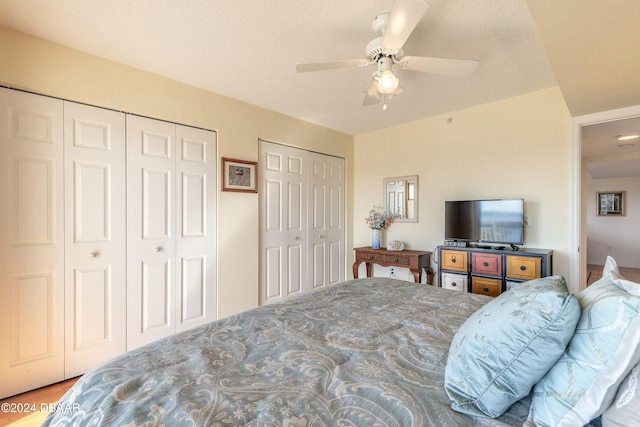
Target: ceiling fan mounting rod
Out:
[384,63]
[375,50]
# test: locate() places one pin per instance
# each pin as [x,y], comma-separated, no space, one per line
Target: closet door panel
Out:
[318,266]
[295,222]
[157,203]
[318,224]
[302,228]
[31,242]
[95,245]
[335,211]
[157,299]
[327,234]
[32,187]
[150,230]
[283,222]
[295,216]
[92,313]
[336,260]
[271,269]
[196,219]
[271,275]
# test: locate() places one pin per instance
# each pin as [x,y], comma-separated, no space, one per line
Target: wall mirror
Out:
[401,197]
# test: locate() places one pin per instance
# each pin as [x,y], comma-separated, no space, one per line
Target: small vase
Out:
[375,238]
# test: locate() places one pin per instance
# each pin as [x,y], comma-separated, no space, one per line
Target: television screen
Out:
[490,221]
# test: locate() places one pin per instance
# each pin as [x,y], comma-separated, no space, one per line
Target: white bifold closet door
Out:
[95,230]
[171,181]
[326,230]
[31,242]
[107,235]
[302,231]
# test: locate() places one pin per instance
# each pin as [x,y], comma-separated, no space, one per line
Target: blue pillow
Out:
[603,350]
[508,345]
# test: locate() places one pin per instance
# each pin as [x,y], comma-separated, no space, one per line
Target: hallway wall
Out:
[618,237]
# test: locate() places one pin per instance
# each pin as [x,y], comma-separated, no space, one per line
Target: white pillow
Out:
[632,287]
[603,350]
[625,409]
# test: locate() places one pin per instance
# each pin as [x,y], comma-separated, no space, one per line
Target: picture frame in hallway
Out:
[610,203]
[239,175]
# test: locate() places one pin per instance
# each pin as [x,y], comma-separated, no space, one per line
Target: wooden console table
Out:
[413,260]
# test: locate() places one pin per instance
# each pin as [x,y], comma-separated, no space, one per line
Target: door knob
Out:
[93,254]
[158,249]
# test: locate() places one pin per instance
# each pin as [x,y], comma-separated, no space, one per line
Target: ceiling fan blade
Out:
[370,100]
[447,67]
[371,95]
[319,66]
[404,18]
[395,92]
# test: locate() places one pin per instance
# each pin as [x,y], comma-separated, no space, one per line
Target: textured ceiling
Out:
[592,46]
[606,156]
[247,49]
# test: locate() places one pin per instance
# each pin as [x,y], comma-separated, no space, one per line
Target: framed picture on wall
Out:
[610,203]
[239,175]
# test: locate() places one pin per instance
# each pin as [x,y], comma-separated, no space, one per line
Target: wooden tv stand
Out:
[490,271]
[415,261]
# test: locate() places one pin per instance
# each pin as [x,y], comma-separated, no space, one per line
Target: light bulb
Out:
[387,82]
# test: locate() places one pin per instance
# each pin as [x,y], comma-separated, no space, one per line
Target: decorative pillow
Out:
[604,348]
[632,287]
[625,410]
[506,346]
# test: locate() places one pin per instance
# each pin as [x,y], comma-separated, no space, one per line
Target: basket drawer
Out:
[523,267]
[485,286]
[453,260]
[457,282]
[489,264]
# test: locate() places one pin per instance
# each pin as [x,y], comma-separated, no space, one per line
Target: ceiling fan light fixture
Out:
[387,82]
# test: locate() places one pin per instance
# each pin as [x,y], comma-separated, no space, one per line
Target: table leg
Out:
[355,267]
[369,269]
[417,275]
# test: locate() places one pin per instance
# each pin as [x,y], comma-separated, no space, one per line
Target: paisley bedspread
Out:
[367,352]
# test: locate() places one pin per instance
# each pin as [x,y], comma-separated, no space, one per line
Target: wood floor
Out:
[594,272]
[30,409]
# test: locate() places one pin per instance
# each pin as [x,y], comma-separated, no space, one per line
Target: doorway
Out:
[581,195]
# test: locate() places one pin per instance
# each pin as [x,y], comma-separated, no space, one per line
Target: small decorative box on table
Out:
[415,261]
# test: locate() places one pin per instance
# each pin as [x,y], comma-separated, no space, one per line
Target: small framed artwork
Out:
[610,203]
[239,175]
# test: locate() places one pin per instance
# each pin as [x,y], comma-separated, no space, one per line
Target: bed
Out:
[366,352]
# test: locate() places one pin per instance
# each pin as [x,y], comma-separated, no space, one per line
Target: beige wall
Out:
[514,148]
[519,147]
[39,66]
[611,235]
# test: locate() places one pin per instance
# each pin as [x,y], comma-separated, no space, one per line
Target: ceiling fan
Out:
[386,51]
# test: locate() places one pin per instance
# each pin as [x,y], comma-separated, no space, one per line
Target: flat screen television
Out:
[489,221]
